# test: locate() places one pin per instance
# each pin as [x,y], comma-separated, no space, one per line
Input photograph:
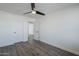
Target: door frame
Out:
[30,22]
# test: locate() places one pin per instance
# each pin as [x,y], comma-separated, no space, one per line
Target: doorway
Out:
[30,32]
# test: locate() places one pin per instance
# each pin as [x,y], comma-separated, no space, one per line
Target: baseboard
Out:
[63,48]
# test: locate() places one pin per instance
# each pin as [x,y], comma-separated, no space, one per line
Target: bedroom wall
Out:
[13,28]
[61,29]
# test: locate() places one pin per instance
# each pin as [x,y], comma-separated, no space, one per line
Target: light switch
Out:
[14,32]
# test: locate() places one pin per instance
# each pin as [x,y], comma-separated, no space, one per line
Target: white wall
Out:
[61,29]
[11,23]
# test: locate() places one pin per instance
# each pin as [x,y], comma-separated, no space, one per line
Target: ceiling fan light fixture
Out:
[33,12]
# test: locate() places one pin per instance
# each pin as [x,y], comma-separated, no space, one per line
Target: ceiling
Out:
[20,8]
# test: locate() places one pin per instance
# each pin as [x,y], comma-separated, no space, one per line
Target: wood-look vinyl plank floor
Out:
[53,49]
[37,48]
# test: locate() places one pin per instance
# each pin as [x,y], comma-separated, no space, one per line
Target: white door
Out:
[25,31]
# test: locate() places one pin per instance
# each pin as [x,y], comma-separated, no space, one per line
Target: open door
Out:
[30,32]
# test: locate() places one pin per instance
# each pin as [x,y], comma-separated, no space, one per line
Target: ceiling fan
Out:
[34,11]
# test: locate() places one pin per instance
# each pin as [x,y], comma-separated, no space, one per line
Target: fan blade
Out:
[32,6]
[37,12]
[28,12]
